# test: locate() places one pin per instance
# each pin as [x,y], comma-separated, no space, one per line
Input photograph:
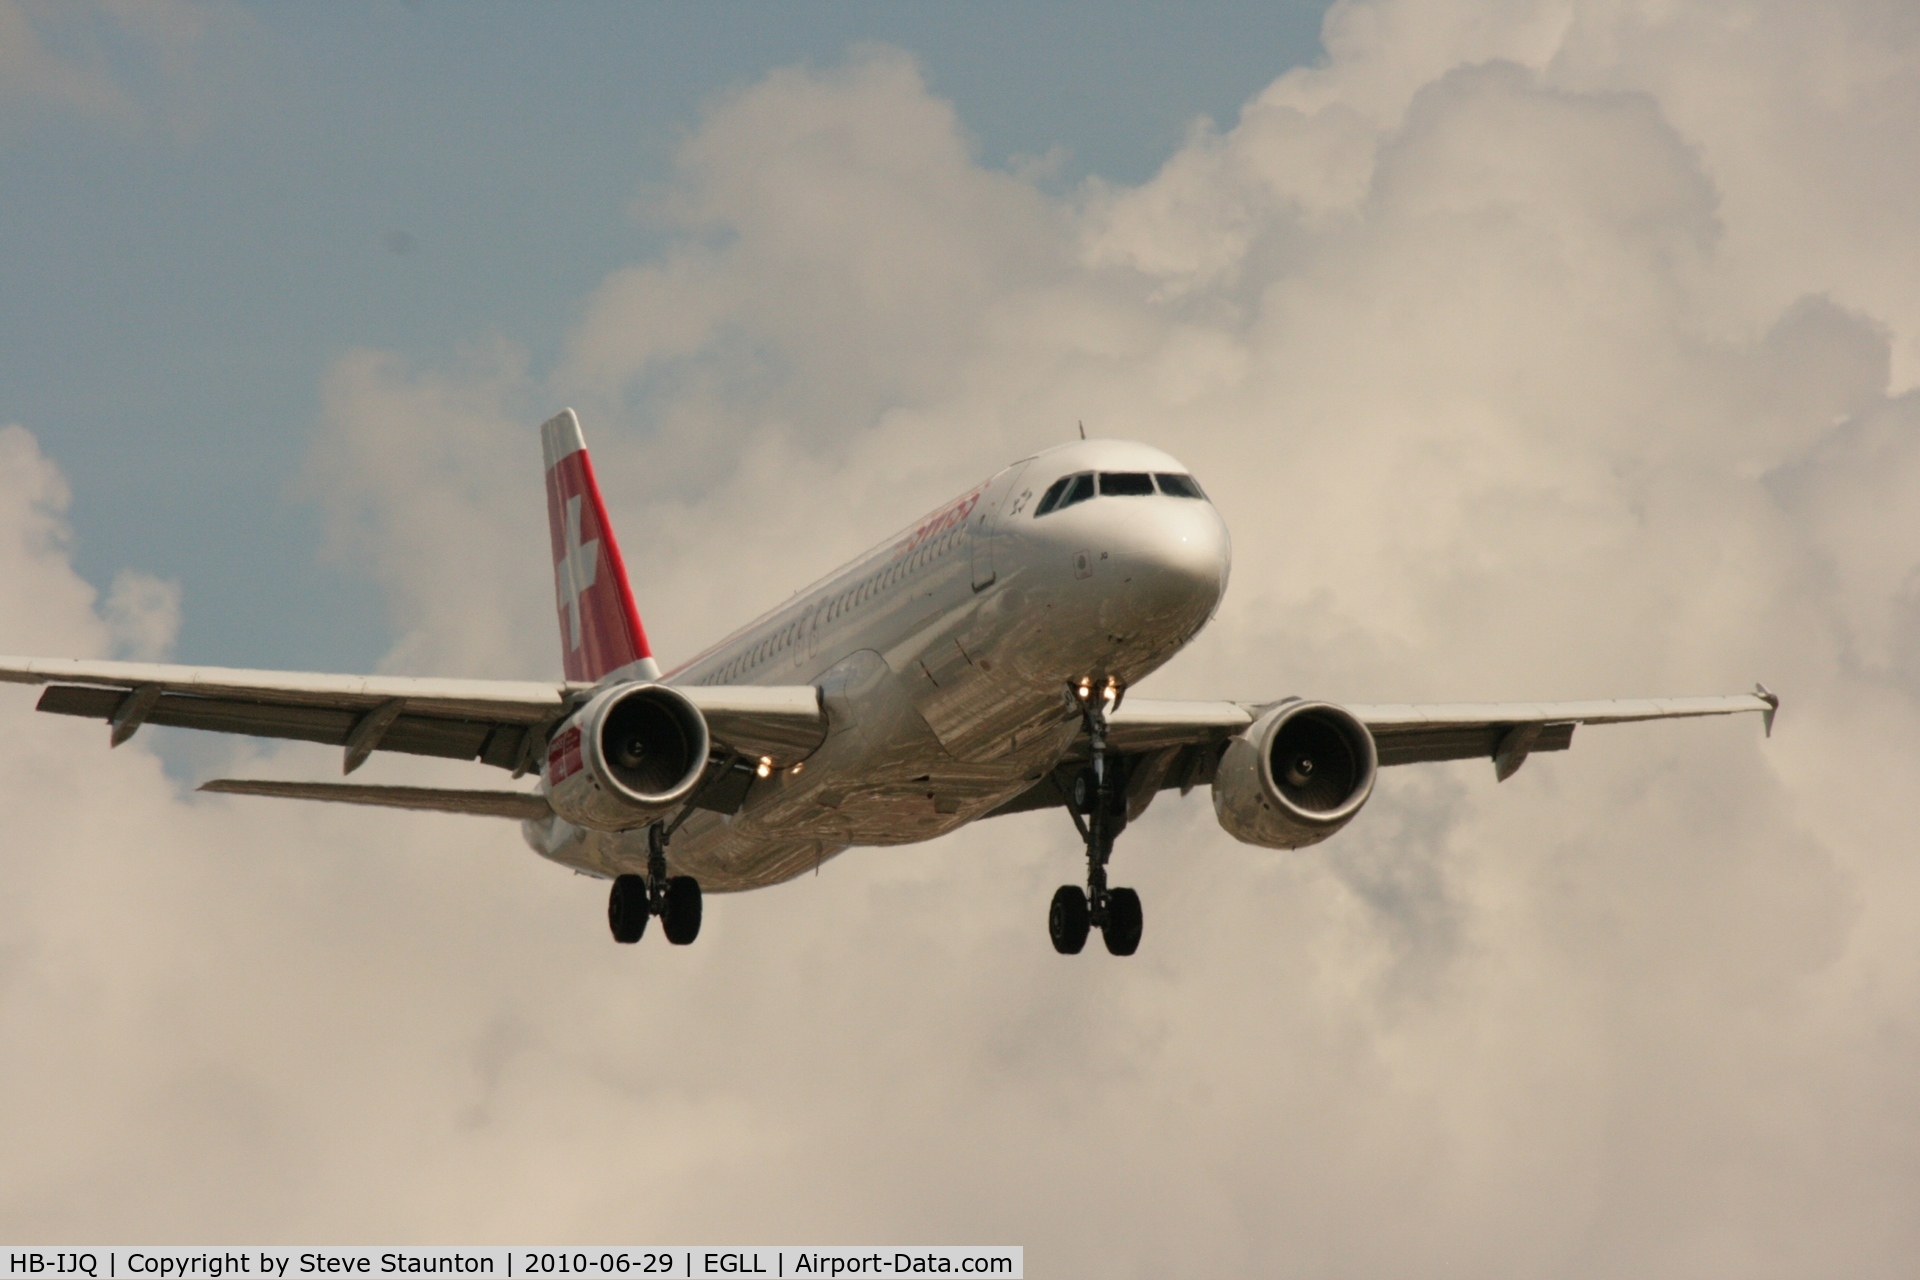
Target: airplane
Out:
[975,664]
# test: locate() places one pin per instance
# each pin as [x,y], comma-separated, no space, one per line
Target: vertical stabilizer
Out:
[600,629]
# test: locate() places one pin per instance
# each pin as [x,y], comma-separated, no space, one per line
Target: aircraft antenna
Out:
[1083,429]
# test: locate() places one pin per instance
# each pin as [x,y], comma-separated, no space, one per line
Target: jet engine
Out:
[1295,776]
[627,758]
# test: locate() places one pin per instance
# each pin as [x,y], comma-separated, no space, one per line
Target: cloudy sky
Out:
[1531,348]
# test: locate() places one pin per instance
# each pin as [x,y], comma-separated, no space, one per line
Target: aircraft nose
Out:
[1178,556]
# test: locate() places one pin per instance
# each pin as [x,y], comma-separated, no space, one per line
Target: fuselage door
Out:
[987,519]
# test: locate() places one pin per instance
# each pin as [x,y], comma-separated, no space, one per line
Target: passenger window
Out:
[1079,491]
[1178,486]
[1126,484]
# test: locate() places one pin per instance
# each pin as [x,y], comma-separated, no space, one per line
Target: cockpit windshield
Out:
[1131,484]
[1083,485]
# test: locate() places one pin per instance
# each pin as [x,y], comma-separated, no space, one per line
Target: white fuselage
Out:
[944,658]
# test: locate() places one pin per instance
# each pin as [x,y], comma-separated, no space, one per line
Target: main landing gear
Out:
[1099,810]
[675,899]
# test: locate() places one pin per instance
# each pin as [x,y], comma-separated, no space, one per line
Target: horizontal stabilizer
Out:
[486,804]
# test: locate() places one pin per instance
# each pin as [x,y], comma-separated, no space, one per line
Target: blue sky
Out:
[182,266]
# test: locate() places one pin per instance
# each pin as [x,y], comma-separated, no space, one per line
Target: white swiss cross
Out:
[579,564]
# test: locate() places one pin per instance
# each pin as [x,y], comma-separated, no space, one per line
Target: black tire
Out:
[1123,922]
[681,919]
[627,908]
[1068,920]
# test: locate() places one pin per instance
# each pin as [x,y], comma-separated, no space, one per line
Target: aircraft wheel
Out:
[1068,920]
[681,919]
[1123,922]
[627,908]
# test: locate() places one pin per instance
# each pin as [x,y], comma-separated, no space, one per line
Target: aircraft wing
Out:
[498,722]
[1163,744]
[1408,733]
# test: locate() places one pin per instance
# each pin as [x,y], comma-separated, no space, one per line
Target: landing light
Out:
[766,766]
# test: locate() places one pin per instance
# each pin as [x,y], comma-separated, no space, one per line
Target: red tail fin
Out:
[600,629]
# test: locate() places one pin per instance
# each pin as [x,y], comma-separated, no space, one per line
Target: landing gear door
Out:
[1002,491]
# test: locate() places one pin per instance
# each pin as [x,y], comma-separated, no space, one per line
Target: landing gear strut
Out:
[675,899]
[1099,811]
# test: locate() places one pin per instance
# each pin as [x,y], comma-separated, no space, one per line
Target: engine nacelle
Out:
[1297,775]
[627,758]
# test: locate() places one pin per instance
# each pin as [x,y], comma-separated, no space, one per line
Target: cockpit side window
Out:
[1129,484]
[1079,491]
[1178,486]
[1051,498]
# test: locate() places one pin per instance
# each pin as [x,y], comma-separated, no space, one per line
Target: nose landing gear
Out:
[675,899]
[1099,811]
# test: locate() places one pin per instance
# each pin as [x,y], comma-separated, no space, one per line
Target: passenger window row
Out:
[1067,490]
[840,604]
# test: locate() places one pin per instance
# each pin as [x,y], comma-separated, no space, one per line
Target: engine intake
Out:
[1297,775]
[628,758]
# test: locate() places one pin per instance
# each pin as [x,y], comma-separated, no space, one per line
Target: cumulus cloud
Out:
[142,613]
[1530,349]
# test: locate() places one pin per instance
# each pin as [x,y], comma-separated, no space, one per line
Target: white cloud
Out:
[48,609]
[1532,350]
[425,480]
[142,613]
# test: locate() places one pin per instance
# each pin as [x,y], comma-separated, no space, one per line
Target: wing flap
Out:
[486,804]
[1459,742]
